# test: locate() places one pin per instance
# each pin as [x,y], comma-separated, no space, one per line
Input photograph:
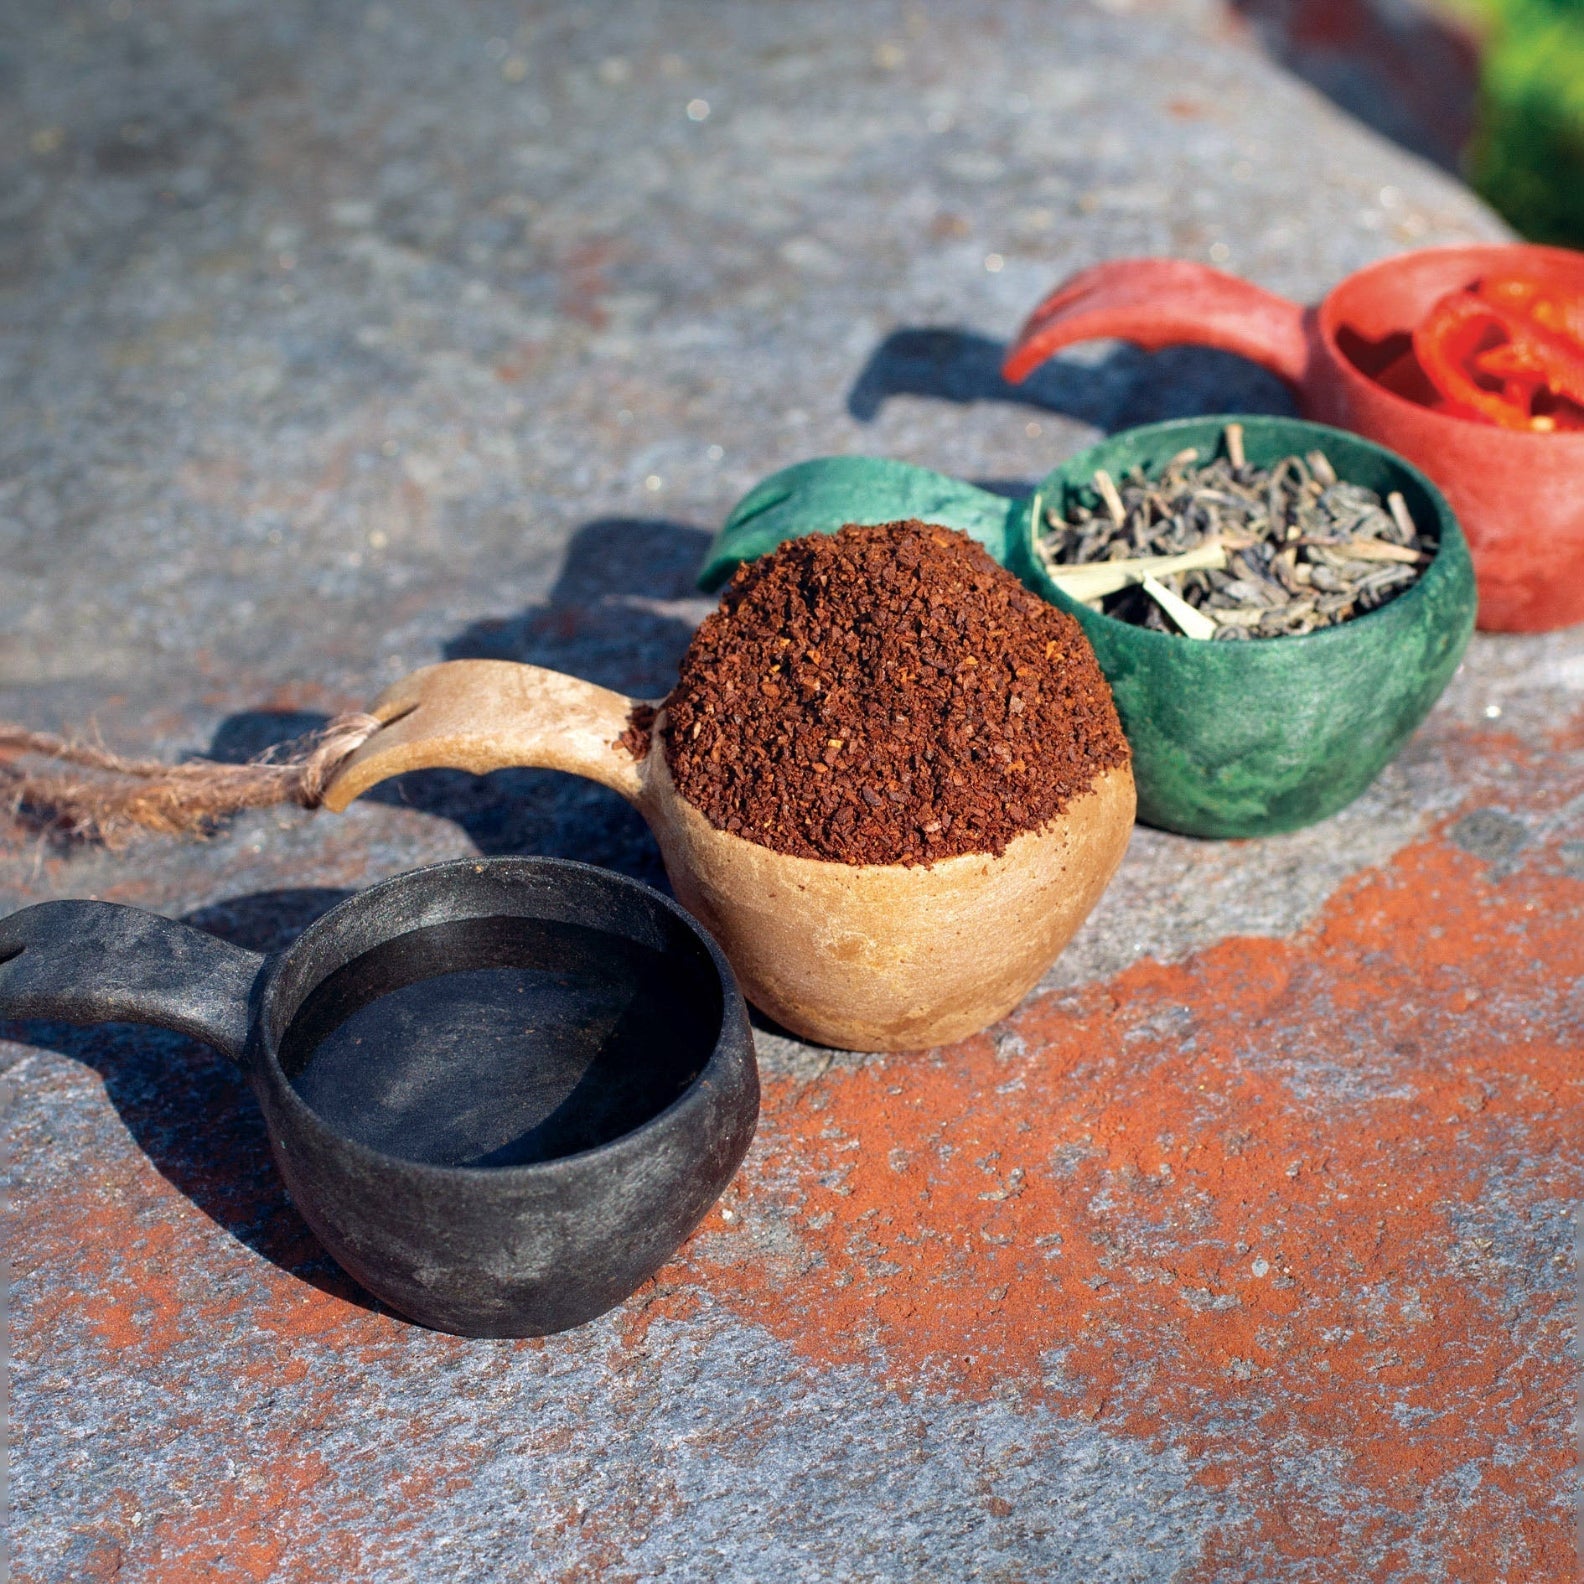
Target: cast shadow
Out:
[1408,72]
[191,1112]
[621,613]
[1123,387]
[189,1109]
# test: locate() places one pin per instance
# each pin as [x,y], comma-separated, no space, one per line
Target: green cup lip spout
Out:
[1229,739]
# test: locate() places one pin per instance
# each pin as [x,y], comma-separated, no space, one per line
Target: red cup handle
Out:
[1165,302]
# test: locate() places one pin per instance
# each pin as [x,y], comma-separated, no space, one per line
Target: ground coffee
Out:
[886,695]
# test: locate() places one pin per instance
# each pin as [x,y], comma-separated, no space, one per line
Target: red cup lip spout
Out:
[1392,294]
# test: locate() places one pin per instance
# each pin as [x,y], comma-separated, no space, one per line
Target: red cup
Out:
[1518,495]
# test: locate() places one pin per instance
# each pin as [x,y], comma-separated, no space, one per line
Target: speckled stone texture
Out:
[344,339]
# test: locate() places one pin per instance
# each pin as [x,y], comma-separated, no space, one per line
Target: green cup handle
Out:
[822,495]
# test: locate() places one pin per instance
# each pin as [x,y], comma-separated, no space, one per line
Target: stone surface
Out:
[340,340]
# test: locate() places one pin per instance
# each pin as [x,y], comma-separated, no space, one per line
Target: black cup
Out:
[509,1165]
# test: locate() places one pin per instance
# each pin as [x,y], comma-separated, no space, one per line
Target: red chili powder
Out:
[886,695]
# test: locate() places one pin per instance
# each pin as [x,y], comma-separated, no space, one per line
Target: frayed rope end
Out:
[76,791]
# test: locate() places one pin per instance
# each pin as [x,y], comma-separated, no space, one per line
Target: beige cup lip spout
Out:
[860,956]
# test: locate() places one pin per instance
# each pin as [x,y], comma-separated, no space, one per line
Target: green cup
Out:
[1229,739]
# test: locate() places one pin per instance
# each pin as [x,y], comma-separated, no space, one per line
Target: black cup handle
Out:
[96,962]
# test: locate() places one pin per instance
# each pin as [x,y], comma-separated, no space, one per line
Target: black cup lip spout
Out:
[334,925]
[521,1249]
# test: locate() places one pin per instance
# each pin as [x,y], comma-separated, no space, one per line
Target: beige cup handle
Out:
[483,715]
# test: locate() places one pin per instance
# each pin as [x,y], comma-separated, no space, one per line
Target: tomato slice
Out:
[1561,313]
[1448,341]
[1508,350]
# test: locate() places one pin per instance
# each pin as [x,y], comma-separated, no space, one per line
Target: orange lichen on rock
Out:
[1295,1214]
[1261,1204]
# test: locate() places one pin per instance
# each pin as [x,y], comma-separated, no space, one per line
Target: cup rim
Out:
[1449,545]
[733,1018]
[1325,321]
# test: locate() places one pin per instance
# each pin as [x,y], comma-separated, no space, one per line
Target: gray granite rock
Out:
[340,340]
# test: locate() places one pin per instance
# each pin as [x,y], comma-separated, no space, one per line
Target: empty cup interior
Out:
[503,1038]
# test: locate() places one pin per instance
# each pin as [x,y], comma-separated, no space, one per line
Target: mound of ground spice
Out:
[886,695]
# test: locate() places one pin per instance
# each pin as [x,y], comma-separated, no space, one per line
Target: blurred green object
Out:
[1527,158]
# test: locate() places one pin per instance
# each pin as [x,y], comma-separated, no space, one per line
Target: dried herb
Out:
[886,695]
[1229,550]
